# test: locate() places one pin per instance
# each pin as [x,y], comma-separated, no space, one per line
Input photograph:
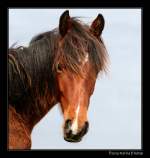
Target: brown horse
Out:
[58,66]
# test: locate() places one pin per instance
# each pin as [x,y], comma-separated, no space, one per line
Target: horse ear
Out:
[98,25]
[64,23]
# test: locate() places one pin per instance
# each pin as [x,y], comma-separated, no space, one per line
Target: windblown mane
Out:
[32,69]
[76,44]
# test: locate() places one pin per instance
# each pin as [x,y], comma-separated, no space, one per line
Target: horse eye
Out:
[59,67]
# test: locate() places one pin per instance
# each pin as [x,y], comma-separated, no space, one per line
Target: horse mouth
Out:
[70,137]
[73,139]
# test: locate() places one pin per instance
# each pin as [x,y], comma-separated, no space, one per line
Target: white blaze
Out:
[74,126]
[86,58]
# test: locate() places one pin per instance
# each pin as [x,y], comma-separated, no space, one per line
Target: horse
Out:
[58,66]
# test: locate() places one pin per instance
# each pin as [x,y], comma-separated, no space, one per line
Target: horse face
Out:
[75,92]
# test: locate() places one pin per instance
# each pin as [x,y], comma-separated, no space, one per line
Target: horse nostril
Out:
[68,124]
[67,128]
[86,127]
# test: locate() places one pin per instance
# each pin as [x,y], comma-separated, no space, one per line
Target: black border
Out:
[4,40]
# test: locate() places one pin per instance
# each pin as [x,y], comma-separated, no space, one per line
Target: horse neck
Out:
[33,113]
[41,95]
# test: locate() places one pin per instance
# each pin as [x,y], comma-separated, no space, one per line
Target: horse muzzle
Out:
[69,134]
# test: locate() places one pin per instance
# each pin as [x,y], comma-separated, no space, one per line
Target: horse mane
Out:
[75,45]
[30,74]
[34,67]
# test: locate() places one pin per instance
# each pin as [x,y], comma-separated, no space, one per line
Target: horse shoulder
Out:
[19,136]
